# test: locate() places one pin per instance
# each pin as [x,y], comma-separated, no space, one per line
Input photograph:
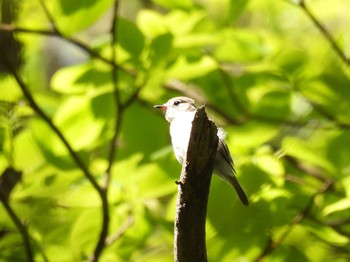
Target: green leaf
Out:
[151,23]
[274,103]
[304,151]
[240,46]
[79,78]
[130,37]
[182,23]
[291,60]
[327,234]
[154,182]
[341,205]
[83,228]
[160,47]
[73,16]
[186,69]
[250,135]
[26,153]
[340,144]
[10,92]
[225,11]
[51,147]
[186,4]
[272,165]
[78,121]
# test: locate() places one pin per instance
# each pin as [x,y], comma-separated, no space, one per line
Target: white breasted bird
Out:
[179,112]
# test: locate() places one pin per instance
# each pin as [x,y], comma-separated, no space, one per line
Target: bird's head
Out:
[177,106]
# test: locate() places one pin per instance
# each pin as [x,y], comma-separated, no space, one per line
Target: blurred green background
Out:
[266,73]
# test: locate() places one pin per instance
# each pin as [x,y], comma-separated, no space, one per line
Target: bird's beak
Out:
[161,107]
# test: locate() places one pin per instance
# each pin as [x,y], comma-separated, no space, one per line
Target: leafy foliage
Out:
[267,73]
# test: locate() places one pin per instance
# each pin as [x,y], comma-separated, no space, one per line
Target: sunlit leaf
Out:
[175,3]
[73,16]
[151,23]
[251,135]
[271,164]
[83,228]
[78,121]
[300,149]
[327,234]
[130,37]
[240,46]
[225,11]
[265,73]
[185,69]
[79,78]
[183,23]
[343,204]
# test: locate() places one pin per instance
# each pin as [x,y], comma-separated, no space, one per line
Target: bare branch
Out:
[54,128]
[50,17]
[325,33]
[191,91]
[114,77]
[101,243]
[193,190]
[70,39]
[22,229]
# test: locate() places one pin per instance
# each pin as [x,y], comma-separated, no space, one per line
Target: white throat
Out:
[180,131]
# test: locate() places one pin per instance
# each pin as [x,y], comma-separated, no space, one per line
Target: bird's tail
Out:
[231,179]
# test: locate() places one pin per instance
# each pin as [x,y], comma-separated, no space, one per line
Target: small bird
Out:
[179,112]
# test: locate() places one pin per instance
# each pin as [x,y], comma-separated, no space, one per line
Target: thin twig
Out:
[70,39]
[325,32]
[114,76]
[50,17]
[48,121]
[54,128]
[187,90]
[121,231]
[20,226]
[101,243]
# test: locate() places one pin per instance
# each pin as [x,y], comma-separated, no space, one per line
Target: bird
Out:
[180,112]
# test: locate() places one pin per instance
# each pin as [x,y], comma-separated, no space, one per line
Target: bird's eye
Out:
[177,102]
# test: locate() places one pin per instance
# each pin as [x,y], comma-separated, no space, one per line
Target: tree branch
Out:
[325,33]
[101,243]
[74,41]
[187,90]
[54,128]
[20,226]
[114,77]
[102,193]
[193,190]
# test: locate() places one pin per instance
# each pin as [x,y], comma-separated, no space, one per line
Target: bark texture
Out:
[193,191]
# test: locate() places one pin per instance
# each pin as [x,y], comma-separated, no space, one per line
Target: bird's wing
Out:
[225,152]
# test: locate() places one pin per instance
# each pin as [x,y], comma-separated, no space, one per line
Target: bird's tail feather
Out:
[240,192]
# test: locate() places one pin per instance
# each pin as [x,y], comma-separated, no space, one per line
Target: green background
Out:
[266,73]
